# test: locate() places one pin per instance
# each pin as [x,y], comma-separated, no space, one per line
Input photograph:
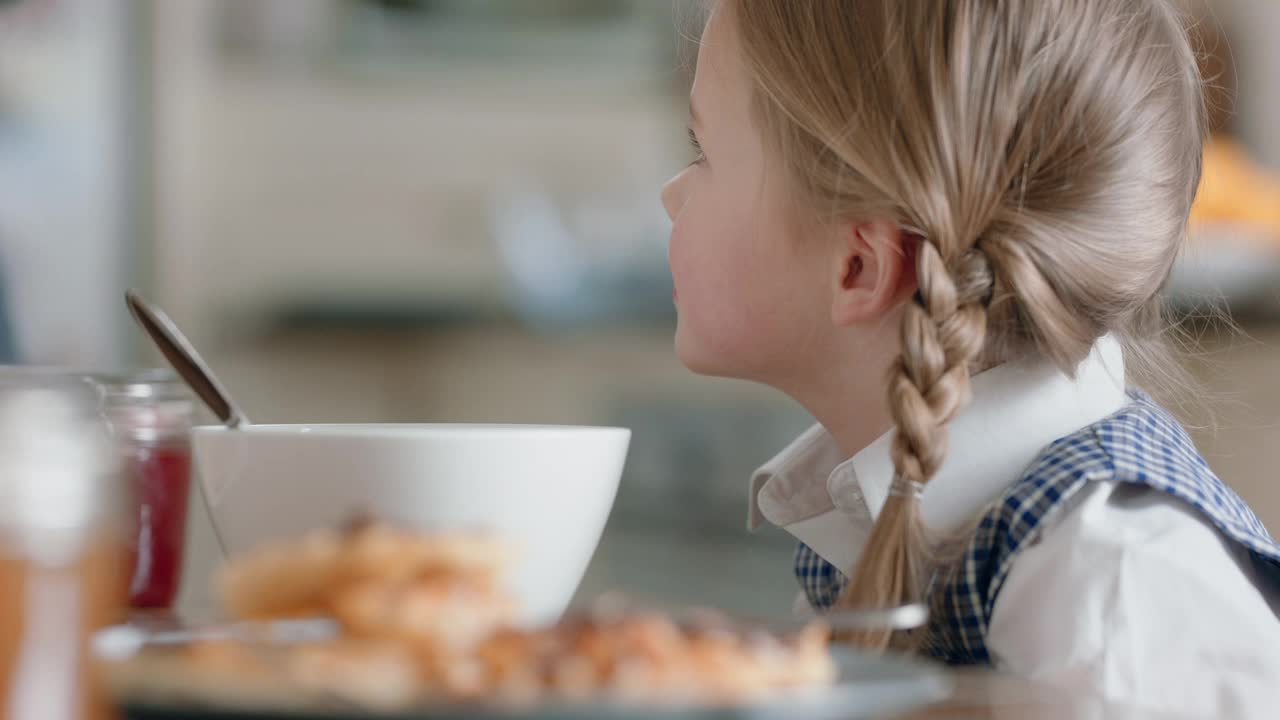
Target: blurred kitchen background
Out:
[447,210]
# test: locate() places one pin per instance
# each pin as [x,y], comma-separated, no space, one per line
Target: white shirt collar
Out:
[1017,409]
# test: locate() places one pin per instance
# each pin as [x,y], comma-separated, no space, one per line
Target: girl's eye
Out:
[698,156]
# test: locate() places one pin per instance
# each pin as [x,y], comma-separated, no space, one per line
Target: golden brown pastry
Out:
[425,618]
[649,657]
[375,578]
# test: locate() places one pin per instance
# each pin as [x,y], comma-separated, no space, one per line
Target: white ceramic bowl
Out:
[548,489]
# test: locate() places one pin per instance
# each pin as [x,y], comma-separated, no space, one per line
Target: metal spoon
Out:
[903,617]
[121,642]
[185,360]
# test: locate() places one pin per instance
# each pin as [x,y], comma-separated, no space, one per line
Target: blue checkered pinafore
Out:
[1140,444]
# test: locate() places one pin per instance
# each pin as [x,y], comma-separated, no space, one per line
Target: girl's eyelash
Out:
[697,147]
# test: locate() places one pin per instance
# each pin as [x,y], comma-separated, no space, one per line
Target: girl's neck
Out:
[852,406]
[854,425]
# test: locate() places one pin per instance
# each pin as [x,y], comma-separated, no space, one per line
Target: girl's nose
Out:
[673,196]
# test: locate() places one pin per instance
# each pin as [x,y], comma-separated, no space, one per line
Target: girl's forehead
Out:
[719,84]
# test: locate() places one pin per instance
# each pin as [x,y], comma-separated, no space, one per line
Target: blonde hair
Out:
[1048,150]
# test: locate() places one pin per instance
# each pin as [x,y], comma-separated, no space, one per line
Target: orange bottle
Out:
[61,559]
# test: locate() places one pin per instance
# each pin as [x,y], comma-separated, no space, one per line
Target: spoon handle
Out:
[905,617]
[185,360]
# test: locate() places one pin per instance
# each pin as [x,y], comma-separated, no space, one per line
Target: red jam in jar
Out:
[150,416]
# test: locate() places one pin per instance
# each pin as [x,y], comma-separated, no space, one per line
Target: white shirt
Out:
[1127,593]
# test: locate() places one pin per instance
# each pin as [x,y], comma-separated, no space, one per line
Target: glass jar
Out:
[150,414]
[61,567]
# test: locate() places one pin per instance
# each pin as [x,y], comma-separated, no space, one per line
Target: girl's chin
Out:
[695,356]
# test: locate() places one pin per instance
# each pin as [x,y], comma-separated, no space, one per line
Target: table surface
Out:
[988,694]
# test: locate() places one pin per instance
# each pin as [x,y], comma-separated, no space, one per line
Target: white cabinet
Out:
[353,180]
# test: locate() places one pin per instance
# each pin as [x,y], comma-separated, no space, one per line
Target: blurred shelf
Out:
[425,317]
[1231,266]
[578,42]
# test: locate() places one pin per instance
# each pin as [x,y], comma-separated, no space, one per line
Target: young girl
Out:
[942,226]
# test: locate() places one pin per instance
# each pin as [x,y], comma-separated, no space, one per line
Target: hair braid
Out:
[942,337]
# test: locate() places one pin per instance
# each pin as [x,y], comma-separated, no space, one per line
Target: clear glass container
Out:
[150,415]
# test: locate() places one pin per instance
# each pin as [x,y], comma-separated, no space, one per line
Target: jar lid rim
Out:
[150,383]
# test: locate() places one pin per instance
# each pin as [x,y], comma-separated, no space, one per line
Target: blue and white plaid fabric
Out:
[1141,444]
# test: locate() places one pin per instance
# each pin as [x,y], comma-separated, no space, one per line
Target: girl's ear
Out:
[873,270]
